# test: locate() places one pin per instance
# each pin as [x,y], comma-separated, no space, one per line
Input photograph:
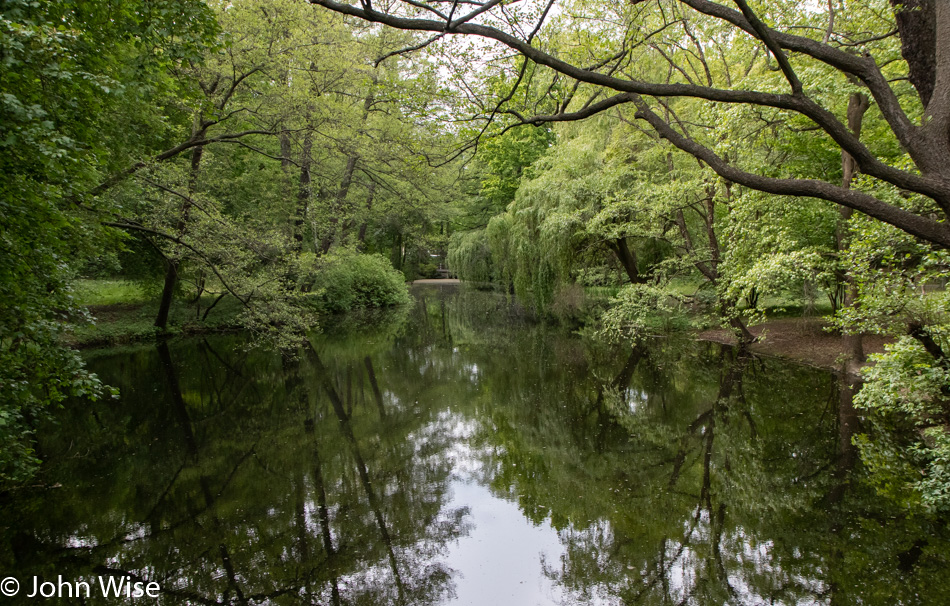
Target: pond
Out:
[454,452]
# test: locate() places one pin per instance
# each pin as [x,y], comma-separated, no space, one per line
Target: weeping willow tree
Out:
[501,163]
[542,242]
[470,256]
[596,210]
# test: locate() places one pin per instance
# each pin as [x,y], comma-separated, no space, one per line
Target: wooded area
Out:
[692,159]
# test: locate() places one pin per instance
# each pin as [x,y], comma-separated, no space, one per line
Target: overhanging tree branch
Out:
[922,227]
[933,181]
[171,237]
[120,176]
[862,67]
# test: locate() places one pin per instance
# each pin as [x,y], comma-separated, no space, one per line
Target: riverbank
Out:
[123,323]
[129,317]
[804,340]
[122,311]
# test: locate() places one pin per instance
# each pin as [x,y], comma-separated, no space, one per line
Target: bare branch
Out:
[408,49]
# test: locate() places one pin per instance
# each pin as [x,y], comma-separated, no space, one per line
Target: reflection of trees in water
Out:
[674,472]
[682,473]
[271,485]
[712,478]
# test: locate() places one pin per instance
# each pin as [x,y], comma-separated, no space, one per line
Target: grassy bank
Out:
[122,311]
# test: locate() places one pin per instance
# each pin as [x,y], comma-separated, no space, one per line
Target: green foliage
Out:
[909,446]
[470,257]
[899,281]
[68,69]
[507,159]
[644,310]
[901,293]
[345,280]
[536,245]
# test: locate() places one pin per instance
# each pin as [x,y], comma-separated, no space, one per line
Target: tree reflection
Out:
[247,480]
[672,472]
[733,484]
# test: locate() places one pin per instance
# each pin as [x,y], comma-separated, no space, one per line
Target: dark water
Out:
[453,453]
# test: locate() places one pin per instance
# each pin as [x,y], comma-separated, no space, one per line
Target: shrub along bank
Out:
[121,311]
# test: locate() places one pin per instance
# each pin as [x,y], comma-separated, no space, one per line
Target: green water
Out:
[454,452]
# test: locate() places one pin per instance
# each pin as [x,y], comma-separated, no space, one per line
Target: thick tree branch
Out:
[924,228]
[862,67]
[931,186]
[586,112]
[765,34]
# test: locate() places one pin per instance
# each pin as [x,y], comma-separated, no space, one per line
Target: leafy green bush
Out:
[641,310]
[428,270]
[907,444]
[347,280]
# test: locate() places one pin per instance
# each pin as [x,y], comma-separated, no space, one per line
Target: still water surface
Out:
[454,453]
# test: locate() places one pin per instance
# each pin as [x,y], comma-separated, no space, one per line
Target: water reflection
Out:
[455,452]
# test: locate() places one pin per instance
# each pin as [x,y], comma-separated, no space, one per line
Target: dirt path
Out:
[443,281]
[800,339]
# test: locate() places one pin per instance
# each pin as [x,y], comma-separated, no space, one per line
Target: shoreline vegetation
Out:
[119,311]
[123,313]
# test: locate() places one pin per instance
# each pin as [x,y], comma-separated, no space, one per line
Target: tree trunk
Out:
[337,210]
[397,252]
[628,259]
[916,23]
[711,269]
[858,105]
[165,303]
[303,194]
[172,263]
[285,151]
[369,207]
